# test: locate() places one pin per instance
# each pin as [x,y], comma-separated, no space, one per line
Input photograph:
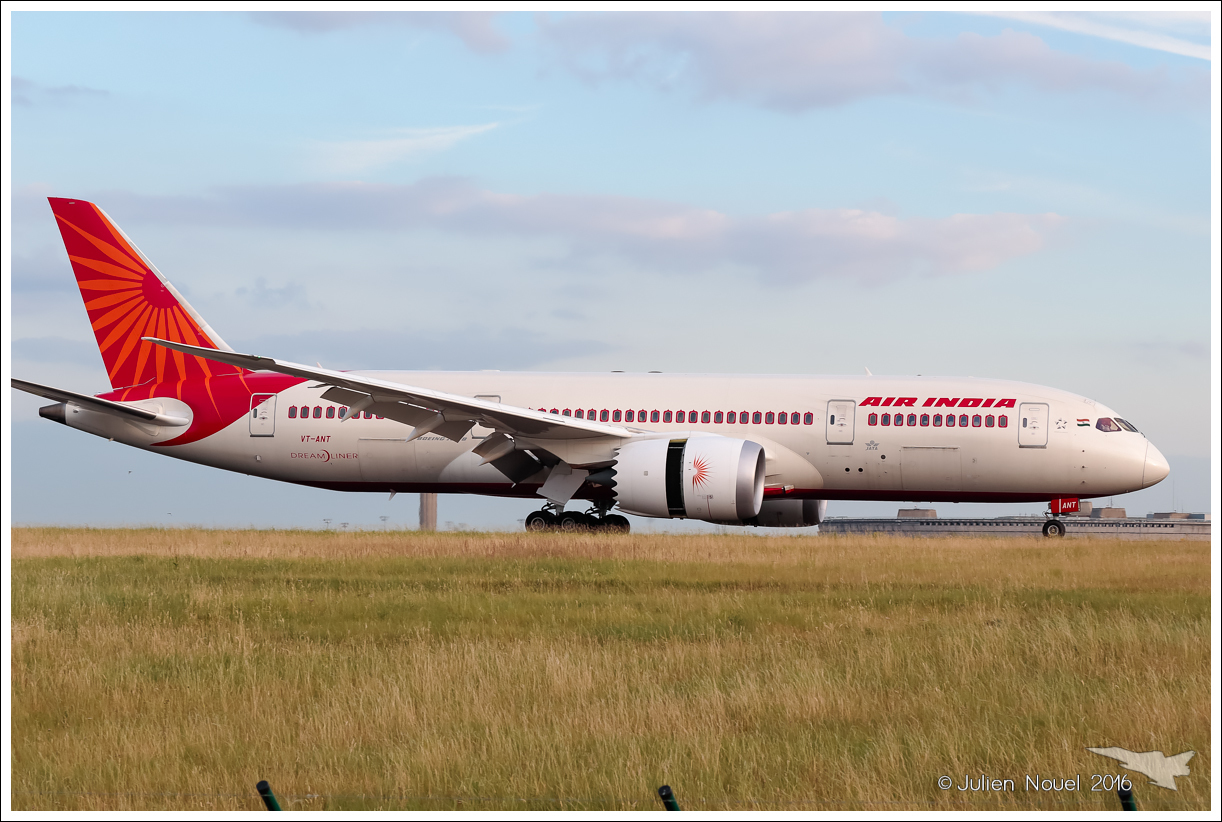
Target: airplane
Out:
[761,450]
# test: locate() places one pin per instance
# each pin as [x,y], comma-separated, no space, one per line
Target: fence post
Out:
[269,798]
[668,798]
[1127,802]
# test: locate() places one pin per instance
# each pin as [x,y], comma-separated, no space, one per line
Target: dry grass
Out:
[175,668]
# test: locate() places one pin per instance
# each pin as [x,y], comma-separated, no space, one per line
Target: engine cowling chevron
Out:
[716,479]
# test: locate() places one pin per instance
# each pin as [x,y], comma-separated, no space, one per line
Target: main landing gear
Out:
[553,518]
[1054,528]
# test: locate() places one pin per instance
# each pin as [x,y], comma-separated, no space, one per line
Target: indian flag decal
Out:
[1083,423]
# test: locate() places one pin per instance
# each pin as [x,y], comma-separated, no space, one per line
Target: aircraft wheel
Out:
[1054,528]
[540,521]
[572,521]
[617,524]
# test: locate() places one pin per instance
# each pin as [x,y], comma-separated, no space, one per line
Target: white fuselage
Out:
[1048,447]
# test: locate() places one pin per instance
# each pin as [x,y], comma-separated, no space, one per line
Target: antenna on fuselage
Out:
[868,374]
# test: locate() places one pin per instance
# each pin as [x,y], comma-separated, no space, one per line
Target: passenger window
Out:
[292,412]
[794,418]
[808,418]
[691,416]
[872,419]
[1003,421]
[666,416]
[782,418]
[899,419]
[343,409]
[963,420]
[1107,424]
[988,421]
[731,416]
[886,419]
[937,420]
[615,415]
[604,415]
[924,420]
[579,414]
[706,417]
[717,416]
[568,412]
[368,415]
[742,417]
[912,419]
[330,412]
[629,416]
[680,416]
[654,416]
[950,420]
[768,418]
[318,412]
[757,418]
[975,420]
[640,415]
[555,410]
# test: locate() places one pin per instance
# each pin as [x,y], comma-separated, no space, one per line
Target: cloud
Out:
[793,246]
[474,28]
[466,349]
[57,350]
[29,94]
[1161,31]
[795,61]
[46,270]
[353,156]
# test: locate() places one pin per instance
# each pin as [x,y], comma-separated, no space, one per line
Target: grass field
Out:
[173,669]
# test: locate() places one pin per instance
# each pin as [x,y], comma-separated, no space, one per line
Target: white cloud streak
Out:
[784,247]
[474,28]
[354,156]
[795,61]
[1135,29]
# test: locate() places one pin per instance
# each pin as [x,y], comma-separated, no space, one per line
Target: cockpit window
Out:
[1107,424]
[1127,426]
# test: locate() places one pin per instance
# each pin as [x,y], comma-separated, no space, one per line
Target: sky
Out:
[1020,195]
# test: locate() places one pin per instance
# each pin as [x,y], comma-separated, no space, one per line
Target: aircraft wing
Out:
[428,411]
[115,409]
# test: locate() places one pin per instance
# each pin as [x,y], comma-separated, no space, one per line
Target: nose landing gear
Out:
[1054,528]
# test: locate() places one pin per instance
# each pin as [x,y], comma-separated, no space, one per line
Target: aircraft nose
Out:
[1156,469]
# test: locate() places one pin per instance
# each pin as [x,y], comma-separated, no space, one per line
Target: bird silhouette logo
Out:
[1161,769]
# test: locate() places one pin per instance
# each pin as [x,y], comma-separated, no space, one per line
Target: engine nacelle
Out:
[716,479]
[791,513]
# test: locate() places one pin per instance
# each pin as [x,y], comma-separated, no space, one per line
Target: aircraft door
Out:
[1032,425]
[263,415]
[841,415]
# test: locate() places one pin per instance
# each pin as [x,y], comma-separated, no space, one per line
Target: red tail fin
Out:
[127,298]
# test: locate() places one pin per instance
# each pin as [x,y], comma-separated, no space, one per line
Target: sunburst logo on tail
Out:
[127,300]
[701,476]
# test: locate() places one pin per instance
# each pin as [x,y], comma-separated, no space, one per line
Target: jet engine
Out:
[716,479]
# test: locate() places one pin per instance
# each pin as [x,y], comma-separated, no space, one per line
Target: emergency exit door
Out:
[840,417]
[263,415]
[1032,425]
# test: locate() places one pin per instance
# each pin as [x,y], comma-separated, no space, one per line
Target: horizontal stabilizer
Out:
[115,409]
